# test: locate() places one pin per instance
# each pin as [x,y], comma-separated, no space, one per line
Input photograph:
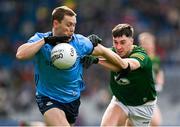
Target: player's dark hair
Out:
[59,12]
[123,29]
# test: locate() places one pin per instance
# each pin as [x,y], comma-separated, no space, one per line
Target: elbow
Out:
[22,56]
[22,53]
[19,56]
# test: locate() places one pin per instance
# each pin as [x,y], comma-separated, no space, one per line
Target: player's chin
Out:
[70,34]
[120,54]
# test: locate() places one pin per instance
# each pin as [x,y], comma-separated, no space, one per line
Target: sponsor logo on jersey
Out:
[122,81]
[49,103]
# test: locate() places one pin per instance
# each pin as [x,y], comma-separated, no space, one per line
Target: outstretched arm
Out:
[111,56]
[89,60]
[159,80]
[108,65]
[113,60]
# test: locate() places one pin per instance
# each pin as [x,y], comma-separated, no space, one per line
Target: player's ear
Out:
[55,23]
[132,40]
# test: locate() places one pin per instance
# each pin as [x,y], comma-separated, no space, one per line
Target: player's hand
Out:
[54,40]
[123,73]
[95,39]
[88,60]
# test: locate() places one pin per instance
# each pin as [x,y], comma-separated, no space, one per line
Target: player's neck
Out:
[131,48]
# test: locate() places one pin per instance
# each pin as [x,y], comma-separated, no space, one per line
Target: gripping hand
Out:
[123,73]
[95,39]
[53,40]
[87,61]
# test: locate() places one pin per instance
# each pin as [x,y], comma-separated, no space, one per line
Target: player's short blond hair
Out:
[146,37]
[59,12]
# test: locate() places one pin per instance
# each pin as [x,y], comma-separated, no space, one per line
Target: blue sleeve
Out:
[36,37]
[85,45]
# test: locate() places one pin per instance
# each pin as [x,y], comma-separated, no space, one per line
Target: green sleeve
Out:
[141,57]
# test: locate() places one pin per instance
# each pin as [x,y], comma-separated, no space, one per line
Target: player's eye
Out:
[123,42]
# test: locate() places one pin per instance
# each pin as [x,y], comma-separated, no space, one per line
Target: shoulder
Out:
[83,44]
[156,58]
[138,49]
[80,37]
[139,54]
[43,34]
[37,36]
[81,40]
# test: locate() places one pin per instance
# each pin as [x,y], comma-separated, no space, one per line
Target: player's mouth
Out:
[119,51]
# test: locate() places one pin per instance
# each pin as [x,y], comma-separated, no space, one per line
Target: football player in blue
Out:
[57,91]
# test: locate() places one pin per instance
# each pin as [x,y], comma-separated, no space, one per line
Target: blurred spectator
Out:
[148,42]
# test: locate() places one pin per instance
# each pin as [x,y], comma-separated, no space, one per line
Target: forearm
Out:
[109,65]
[110,56]
[159,81]
[160,78]
[28,50]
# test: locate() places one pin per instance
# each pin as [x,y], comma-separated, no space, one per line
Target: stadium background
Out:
[20,19]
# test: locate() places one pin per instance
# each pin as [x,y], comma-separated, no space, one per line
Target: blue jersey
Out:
[61,85]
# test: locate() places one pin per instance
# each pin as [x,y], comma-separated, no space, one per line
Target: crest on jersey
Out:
[122,81]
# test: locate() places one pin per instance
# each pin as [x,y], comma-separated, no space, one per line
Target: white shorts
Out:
[139,115]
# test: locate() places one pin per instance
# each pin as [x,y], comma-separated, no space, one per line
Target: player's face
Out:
[148,46]
[123,45]
[66,26]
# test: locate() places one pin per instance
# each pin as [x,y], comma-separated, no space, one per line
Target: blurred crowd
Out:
[21,19]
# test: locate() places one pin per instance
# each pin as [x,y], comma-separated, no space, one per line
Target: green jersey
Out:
[155,64]
[137,87]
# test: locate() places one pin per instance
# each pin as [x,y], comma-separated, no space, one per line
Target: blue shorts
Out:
[71,109]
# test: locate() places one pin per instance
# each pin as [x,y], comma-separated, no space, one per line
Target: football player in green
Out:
[134,95]
[147,41]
